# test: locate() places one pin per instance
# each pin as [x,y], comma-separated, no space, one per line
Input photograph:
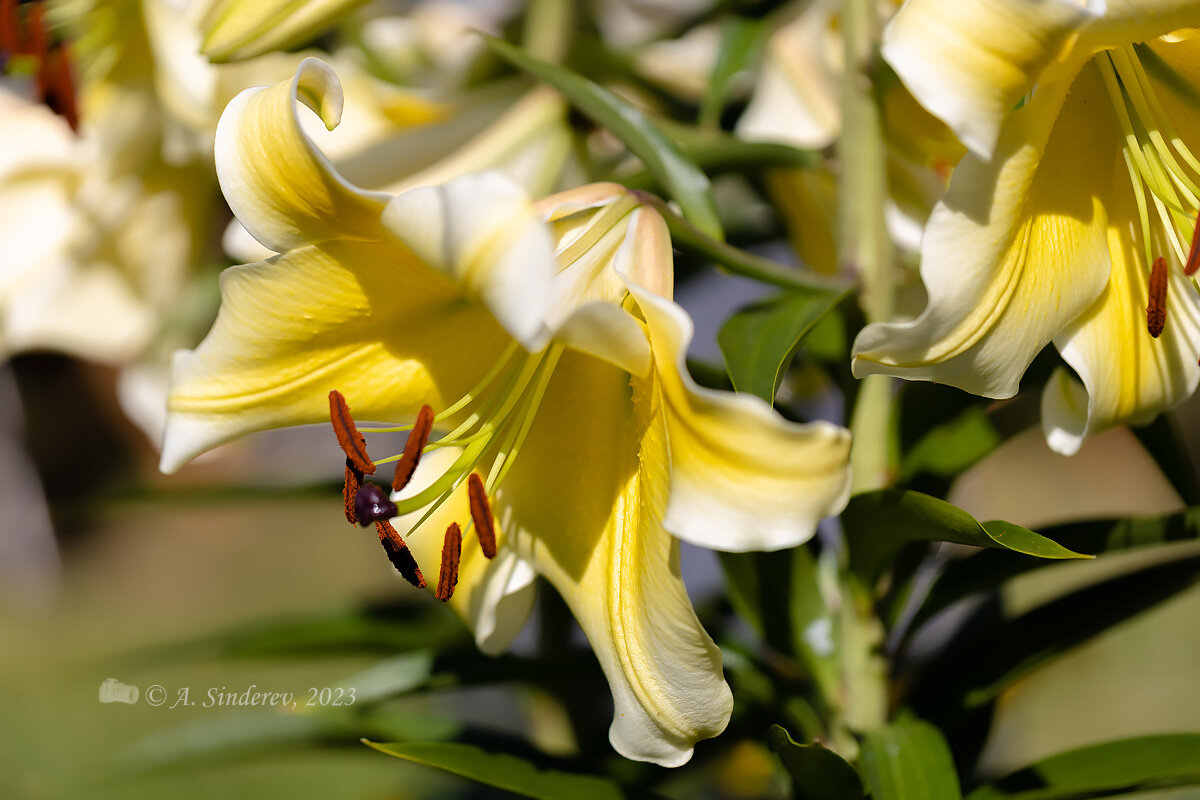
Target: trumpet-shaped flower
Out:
[538,351]
[1072,219]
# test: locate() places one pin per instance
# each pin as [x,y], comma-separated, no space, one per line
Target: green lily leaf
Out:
[986,572]
[758,341]
[502,771]
[879,524]
[758,585]
[1099,770]
[817,772]
[686,184]
[952,447]
[909,760]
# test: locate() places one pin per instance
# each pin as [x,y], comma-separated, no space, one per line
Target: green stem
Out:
[548,25]
[687,236]
[864,250]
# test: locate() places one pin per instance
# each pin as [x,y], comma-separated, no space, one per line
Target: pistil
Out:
[496,417]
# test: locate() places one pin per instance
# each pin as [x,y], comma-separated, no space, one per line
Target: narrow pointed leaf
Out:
[909,760]
[985,572]
[817,772]
[759,341]
[502,771]
[686,184]
[879,524]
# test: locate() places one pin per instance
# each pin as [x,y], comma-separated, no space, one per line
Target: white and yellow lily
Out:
[1081,119]
[797,101]
[100,232]
[543,336]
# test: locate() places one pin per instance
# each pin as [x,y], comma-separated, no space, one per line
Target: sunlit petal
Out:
[365,318]
[1016,250]
[1128,376]
[742,477]
[971,61]
[281,187]
[584,505]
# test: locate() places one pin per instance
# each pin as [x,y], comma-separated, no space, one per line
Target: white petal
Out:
[742,477]
[971,61]
[282,188]
[482,232]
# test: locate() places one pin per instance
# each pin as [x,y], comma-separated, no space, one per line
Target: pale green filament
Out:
[463,401]
[511,429]
[493,421]
[1153,152]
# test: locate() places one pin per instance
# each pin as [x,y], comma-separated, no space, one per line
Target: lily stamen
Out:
[417,439]
[351,441]
[399,554]
[1193,259]
[451,553]
[1156,308]
[350,491]
[481,515]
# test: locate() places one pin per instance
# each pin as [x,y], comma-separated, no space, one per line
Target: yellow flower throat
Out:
[495,418]
[1163,171]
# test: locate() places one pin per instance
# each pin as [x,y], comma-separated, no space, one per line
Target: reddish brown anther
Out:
[451,553]
[481,515]
[348,437]
[57,86]
[350,491]
[1193,259]
[399,554]
[9,27]
[1156,307]
[417,439]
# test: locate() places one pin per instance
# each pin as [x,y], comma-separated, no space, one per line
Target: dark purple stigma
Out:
[371,504]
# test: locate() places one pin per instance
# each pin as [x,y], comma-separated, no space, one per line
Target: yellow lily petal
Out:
[281,187]
[1129,376]
[481,231]
[1016,250]
[1128,21]
[584,505]
[604,239]
[742,477]
[238,29]
[971,61]
[366,318]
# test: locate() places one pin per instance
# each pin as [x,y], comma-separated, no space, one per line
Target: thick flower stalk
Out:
[534,353]
[1073,217]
